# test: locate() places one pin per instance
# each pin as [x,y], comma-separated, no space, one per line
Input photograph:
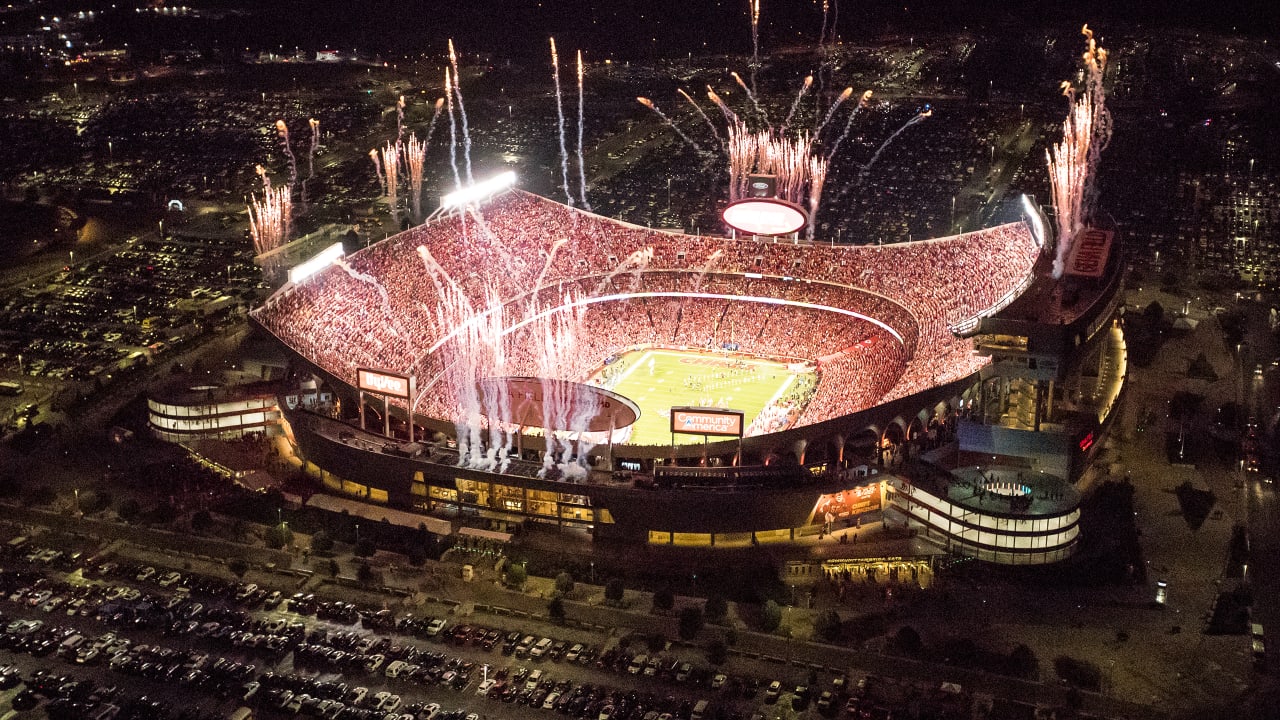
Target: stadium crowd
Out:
[388,305]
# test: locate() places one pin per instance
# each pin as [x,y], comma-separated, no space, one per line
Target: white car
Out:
[388,701]
[169,579]
[718,681]
[145,574]
[485,686]
[356,695]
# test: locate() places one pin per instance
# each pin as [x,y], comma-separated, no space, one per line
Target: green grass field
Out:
[693,379]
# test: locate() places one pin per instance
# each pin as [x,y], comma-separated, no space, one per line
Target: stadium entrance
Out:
[771,394]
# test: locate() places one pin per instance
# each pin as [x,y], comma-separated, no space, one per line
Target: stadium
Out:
[839,361]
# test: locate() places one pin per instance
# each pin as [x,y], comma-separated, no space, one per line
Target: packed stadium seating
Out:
[527,286]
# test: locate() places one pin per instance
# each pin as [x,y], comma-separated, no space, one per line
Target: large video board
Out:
[706,421]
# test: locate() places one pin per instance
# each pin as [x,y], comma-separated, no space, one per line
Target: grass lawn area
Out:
[658,380]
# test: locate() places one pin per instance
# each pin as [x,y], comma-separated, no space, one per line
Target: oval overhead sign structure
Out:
[764,216]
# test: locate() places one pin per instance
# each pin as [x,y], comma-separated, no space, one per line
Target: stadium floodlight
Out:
[764,216]
[479,191]
[1037,221]
[322,260]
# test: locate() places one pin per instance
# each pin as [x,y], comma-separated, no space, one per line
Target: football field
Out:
[658,380]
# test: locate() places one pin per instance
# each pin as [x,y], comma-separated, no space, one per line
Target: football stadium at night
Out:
[567,368]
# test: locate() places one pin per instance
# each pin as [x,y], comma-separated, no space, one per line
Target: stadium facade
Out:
[888,331]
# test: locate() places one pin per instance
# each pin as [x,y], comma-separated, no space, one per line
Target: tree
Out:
[365,548]
[321,542]
[238,567]
[770,616]
[278,536]
[690,622]
[664,600]
[564,583]
[907,642]
[516,574]
[129,509]
[555,609]
[365,574]
[41,495]
[717,652]
[1023,662]
[715,608]
[828,625]
[334,568]
[201,521]
[613,590]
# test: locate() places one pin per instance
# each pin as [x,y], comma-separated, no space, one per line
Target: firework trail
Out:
[377,169]
[817,179]
[262,173]
[282,130]
[822,34]
[582,169]
[1073,163]
[270,224]
[919,118]
[400,119]
[462,111]
[795,104]
[649,104]
[755,103]
[564,153]
[453,130]
[431,127]
[848,124]
[753,6]
[546,267]
[844,95]
[315,143]
[729,115]
[703,115]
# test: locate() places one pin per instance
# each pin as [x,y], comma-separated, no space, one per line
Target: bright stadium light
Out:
[479,191]
[322,260]
[764,216]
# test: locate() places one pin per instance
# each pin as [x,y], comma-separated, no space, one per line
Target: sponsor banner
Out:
[1090,252]
[848,503]
[382,382]
[706,421]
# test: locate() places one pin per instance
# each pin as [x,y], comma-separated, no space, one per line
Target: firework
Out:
[262,173]
[400,119]
[755,102]
[649,104]
[753,7]
[564,153]
[844,95]
[414,155]
[431,127]
[462,112]
[582,169]
[729,115]
[1073,162]
[377,170]
[270,223]
[391,168]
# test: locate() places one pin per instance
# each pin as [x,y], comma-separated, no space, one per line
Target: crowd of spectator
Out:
[398,304]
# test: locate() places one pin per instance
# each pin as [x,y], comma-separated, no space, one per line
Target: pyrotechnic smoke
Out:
[913,121]
[315,144]
[462,112]
[262,173]
[400,119]
[582,163]
[453,130]
[703,115]
[1073,163]
[848,124]
[649,104]
[564,153]
[415,154]
[377,169]
[795,104]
